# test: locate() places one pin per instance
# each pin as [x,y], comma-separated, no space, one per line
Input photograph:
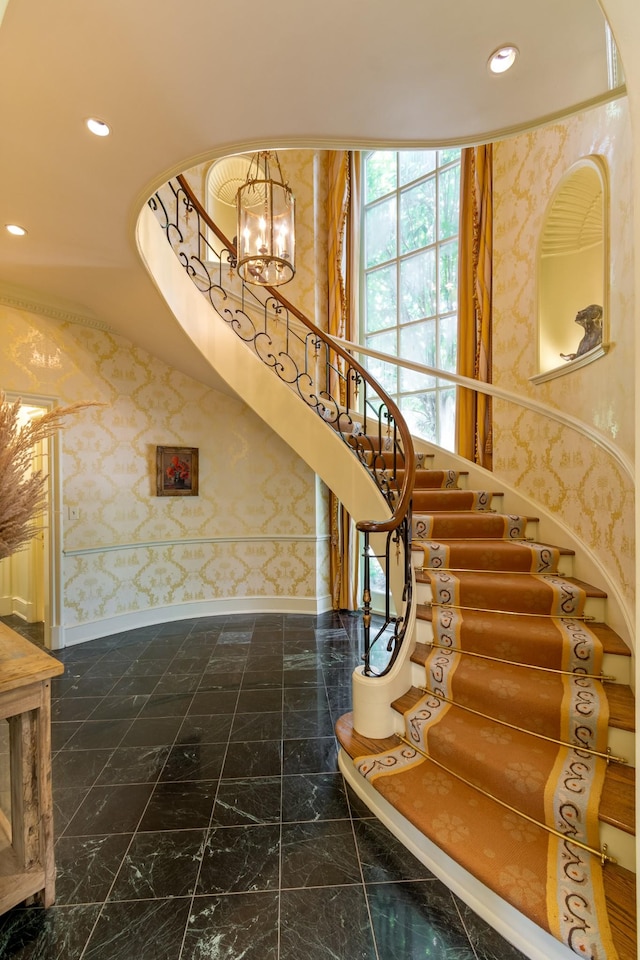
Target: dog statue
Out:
[591,319]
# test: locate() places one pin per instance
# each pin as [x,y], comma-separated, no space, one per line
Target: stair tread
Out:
[611,642]
[622,713]
[620,894]
[618,797]
[619,883]
[467,513]
[488,542]
[355,744]
[620,697]
[617,805]
[422,576]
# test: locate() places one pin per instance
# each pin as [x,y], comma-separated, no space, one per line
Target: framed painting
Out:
[177,471]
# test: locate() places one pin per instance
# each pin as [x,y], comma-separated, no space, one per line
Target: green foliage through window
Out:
[410,279]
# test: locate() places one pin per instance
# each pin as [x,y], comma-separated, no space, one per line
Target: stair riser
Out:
[612,666]
[617,667]
[622,743]
[595,607]
[620,845]
[530,529]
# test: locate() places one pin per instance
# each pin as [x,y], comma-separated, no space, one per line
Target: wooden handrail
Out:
[402,505]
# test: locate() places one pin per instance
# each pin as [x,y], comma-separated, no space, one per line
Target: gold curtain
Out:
[341,219]
[473,419]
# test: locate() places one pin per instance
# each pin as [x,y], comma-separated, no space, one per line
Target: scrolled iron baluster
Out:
[338,373]
[366,606]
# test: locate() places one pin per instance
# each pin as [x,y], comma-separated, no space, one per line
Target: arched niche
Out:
[222,181]
[573,258]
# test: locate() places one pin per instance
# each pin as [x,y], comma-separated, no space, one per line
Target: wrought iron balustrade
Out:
[323,374]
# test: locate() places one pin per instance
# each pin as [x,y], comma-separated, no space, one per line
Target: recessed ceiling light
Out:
[503,58]
[99,127]
[15,229]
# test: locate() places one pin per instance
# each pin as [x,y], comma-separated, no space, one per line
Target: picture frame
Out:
[177,471]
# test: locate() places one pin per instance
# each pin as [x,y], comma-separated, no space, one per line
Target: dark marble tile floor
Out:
[200,815]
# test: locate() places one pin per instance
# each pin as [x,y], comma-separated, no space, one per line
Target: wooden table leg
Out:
[31,798]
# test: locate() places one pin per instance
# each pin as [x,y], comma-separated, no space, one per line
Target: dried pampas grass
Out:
[23,493]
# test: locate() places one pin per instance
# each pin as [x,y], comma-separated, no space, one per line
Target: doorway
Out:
[25,577]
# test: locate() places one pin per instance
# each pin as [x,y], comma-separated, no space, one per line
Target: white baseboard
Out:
[6,606]
[16,607]
[62,636]
[526,936]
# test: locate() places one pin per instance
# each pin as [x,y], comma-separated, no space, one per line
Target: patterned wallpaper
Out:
[306,173]
[552,464]
[257,529]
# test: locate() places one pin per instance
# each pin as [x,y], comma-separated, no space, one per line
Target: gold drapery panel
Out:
[475,264]
[342,268]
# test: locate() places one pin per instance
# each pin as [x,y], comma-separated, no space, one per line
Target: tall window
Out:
[410,286]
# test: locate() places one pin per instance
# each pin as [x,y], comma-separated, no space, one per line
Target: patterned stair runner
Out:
[503,757]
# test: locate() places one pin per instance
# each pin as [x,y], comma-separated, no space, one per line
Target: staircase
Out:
[490,746]
[507,741]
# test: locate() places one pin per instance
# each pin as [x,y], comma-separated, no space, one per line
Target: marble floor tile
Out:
[128,686]
[113,809]
[199,813]
[256,726]
[383,857]
[305,698]
[326,923]
[241,859]
[87,866]
[486,942]
[242,925]
[416,920]
[160,865]
[314,796]
[216,680]
[248,801]
[166,705]
[253,759]
[180,806]
[177,683]
[98,734]
[74,708]
[59,933]
[151,732]
[120,707]
[256,679]
[77,768]
[194,761]
[259,701]
[144,929]
[66,801]
[210,702]
[61,733]
[134,765]
[309,756]
[300,724]
[318,854]
[213,729]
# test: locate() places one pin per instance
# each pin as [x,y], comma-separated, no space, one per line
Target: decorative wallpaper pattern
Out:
[554,465]
[255,530]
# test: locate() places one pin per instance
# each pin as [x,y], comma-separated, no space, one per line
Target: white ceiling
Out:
[181,82]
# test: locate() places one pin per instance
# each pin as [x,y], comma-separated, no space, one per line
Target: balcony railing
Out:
[327,378]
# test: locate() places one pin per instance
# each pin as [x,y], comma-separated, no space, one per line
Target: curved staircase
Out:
[508,770]
[514,741]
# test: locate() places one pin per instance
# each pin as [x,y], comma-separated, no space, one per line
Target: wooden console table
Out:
[27,866]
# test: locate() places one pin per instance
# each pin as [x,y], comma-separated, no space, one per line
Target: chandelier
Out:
[266,223]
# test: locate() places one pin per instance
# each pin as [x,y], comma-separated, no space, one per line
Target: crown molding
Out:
[62,314]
